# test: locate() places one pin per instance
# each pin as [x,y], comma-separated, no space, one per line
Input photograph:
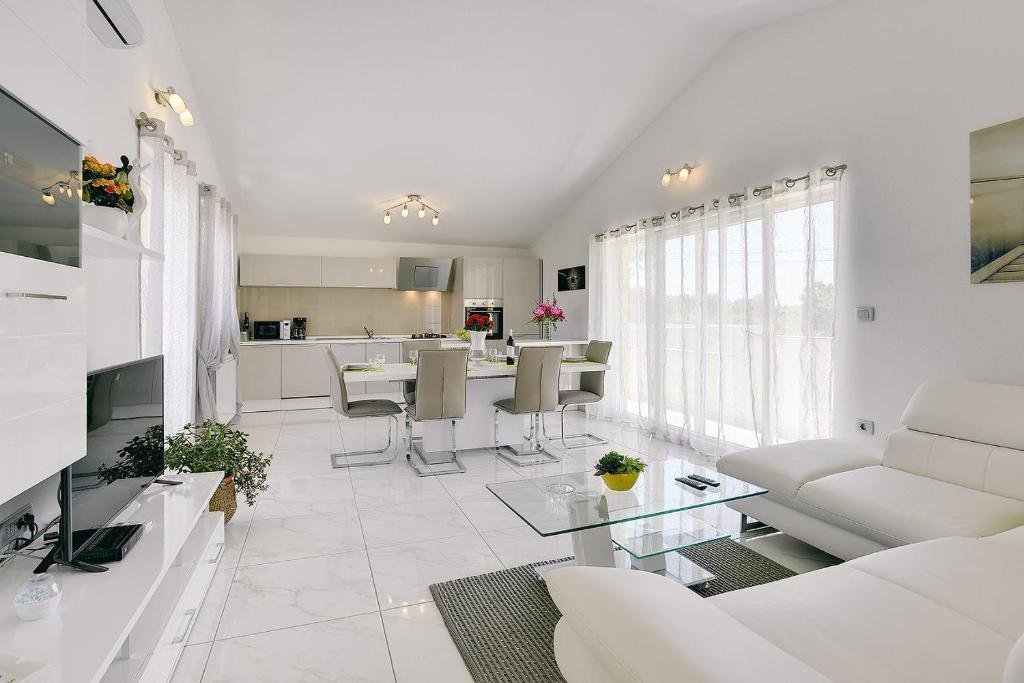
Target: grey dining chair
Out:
[409,385]
[591,391]
[440,395]
[536,392]
[360,409]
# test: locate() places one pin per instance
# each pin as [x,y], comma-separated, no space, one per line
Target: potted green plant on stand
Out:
[619,471]
[213,447]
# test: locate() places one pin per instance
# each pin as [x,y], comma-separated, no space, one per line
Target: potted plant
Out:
[212,447]
[547,315]
[619,471]
[478,325]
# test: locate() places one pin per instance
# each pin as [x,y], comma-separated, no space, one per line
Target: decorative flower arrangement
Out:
[107,185]
[547,315]
[479,322]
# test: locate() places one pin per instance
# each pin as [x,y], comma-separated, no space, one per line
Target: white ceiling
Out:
[324,112]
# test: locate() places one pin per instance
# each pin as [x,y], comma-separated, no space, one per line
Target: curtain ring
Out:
[143,121]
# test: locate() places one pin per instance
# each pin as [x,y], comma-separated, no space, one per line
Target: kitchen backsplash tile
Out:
[343,310]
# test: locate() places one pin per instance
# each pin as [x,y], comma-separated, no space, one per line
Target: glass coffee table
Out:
[644,521]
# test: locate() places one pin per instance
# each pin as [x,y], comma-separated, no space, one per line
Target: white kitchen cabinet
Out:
[392,353]
[259,376]
[305,371]
[339,271]
[264,270]
[481,277]
[521,290]
[42,370]
[349,353]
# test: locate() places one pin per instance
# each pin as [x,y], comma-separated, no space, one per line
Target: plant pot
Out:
[224,499]
[620,482]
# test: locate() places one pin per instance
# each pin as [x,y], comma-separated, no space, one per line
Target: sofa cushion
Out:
[973,411]
[784,469]
[981,578]
[644,627]
[897,507]
[980,466]
[854,627]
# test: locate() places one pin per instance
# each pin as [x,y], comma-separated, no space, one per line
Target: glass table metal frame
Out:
[643,522]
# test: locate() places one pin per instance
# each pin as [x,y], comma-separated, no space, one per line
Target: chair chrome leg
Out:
[423,463]
[592,439]
[340,460]
[530,453]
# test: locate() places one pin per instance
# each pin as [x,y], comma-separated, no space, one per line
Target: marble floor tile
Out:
[482,468]
[422,651]
[391,485]
[487,513]
[270,417]
[320,467]
[192,663]
[313,416]
[306,496]
[352,649]
[283,594]
[292,538]
[403,573]
[412,522]
[523,545]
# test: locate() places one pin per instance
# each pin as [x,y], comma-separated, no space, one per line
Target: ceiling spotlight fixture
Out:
[173,101]
[683,174]
[65,187]
[421,211]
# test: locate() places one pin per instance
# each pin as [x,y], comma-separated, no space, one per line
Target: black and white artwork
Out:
[570,279]
[997,203]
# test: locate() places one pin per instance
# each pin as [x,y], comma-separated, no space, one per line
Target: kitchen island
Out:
[293,374]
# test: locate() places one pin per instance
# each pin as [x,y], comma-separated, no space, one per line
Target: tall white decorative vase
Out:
[477,345]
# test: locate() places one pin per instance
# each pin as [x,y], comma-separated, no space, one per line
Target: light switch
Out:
[865,314]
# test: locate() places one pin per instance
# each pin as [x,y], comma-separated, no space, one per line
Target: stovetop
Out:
[430,335]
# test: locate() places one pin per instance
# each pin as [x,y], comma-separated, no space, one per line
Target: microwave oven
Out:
[266,329]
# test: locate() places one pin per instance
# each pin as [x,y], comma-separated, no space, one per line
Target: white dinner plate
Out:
[575,359]
[357,366]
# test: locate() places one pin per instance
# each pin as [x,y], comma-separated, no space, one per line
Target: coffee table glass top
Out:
[547,505]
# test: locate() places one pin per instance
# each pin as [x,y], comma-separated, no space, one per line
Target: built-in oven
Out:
[490,307]
[266,329]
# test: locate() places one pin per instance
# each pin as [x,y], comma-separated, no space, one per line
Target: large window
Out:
[719,340]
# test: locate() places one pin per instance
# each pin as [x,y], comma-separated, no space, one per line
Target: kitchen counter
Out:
[397,339]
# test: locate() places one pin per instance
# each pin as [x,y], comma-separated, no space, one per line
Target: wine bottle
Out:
[510,350]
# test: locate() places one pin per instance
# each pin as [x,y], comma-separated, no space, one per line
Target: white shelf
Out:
[107,245]
[99,611]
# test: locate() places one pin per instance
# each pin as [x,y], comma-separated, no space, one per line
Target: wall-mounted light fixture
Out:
[69,187]
[404,205]
[176,103]
[683,174]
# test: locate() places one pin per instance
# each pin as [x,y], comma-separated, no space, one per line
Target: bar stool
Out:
[409,385]
[440,395]
[357,409]
[591,391]
[536,392]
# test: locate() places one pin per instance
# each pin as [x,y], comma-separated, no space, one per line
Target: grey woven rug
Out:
[504,623]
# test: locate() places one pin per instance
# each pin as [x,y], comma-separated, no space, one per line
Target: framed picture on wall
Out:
[997,203]
[570,279]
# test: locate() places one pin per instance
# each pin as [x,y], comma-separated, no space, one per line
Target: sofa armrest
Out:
[644,627]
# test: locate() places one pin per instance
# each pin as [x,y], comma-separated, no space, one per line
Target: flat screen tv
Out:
[40,169]
[124,453]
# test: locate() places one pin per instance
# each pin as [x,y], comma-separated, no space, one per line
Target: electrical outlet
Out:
[9,527]
[865,314]
[865,426]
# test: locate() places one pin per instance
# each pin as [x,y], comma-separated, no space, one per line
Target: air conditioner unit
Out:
[114,23]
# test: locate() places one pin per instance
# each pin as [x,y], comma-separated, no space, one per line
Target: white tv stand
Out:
[131,622]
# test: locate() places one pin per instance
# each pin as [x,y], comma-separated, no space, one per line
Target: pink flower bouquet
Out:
[548,314]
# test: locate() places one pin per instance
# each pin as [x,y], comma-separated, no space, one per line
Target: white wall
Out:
[51,60]
[312,246]
[894,90]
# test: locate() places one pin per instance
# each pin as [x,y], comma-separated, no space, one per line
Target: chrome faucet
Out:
[369,332]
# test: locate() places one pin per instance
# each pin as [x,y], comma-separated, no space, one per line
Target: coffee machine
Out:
[298,328]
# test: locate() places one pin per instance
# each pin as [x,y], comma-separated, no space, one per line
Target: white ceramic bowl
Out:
[38,597]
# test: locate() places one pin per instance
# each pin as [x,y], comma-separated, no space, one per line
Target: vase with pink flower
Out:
[546,315]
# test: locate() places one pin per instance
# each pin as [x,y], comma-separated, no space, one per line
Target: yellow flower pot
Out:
[620,482]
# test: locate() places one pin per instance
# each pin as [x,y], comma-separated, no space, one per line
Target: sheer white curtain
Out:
[218,322]
[722,317]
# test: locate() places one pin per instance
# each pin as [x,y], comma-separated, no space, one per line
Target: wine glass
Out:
[412,356]
[381,360]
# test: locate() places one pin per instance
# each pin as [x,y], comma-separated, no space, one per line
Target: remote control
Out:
[691,483]
[703,480]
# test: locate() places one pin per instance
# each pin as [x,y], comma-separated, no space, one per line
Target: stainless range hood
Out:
[424,274]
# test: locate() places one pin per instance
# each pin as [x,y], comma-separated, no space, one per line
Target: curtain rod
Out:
[997,179]
[734,199]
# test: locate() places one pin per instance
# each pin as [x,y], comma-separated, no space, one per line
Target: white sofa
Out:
[955,468]
[946,610]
